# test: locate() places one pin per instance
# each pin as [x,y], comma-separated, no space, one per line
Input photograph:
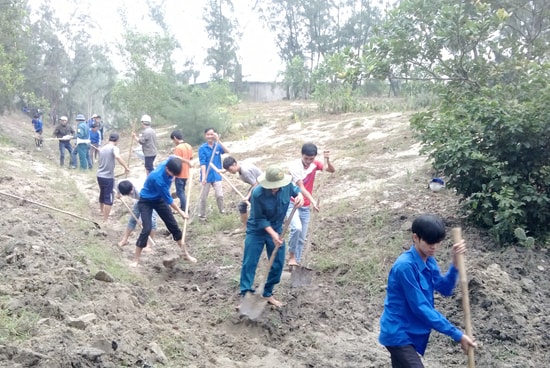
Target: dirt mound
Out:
[68,297]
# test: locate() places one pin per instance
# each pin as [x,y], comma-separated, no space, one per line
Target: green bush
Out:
[493,145]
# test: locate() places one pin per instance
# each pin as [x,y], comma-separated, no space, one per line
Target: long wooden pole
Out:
[52,208]
[457,236]
[131,143]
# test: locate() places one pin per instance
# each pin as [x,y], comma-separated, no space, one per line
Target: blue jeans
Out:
[253,248]
[132,221]
[298,230]
[66,145]
[180,191]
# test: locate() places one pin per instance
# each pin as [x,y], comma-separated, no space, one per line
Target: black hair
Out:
[177,134]
[228,162]
[207,129]
[429,228]
[309,149]
[174,164]
[113,137]
[125,187]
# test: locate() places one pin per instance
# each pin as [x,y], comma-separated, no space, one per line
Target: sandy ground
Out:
[185,317]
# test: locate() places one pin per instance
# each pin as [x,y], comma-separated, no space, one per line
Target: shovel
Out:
[253,304]
[52,208]
[171,262]
[302,275]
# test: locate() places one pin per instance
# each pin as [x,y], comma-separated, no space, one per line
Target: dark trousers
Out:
[149,160]
[146,207]
[404,357]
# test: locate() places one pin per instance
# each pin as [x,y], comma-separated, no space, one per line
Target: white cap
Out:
[63,118]
[146,119]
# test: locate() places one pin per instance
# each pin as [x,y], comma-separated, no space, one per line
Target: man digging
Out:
[269,201]
[155,195]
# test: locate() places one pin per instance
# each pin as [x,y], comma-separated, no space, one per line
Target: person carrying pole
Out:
[409,314]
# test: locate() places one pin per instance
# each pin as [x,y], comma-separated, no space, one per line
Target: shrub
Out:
[493,144]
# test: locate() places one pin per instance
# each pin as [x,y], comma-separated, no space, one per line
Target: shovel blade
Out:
[252,305]
[170,262]
[300,276]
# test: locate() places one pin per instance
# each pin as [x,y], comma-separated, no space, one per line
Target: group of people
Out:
[409,314]
[88,136]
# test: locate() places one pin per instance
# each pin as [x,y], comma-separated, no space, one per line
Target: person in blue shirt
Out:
[155,195]
[268,205]
[211,152]
[38,129]
[409,314]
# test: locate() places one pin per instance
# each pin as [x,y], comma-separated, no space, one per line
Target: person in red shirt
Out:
[303,176]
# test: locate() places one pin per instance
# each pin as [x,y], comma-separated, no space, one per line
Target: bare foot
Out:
[274,302]
[292,261]
[148,249]
[188,257]
[123,242]
[134,264]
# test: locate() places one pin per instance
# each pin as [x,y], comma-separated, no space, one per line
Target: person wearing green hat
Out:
[268,204]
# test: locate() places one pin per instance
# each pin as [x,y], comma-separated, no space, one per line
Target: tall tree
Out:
[13,31]
[222,29]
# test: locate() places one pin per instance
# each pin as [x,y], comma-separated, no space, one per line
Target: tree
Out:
[221,29]
[13,30]
[488,132]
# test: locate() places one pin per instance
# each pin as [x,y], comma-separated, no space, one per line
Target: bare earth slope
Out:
[54,313]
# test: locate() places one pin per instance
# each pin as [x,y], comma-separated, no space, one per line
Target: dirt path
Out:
[60,316]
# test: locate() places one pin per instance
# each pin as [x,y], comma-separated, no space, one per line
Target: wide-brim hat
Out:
[274,177]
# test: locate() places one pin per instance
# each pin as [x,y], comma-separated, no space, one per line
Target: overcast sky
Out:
[257,49]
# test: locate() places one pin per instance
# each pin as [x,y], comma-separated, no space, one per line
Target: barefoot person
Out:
[130,188]
[303,175]
[109,154]
[248,173]
[268,205]
[155,196]
[409,314]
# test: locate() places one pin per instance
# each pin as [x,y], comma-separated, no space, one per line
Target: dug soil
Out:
[69,298]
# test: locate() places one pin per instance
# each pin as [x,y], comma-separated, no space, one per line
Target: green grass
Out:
[17,326]
[98,256]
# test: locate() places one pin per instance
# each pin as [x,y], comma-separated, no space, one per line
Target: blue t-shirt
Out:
[95,137]
[37,124]
[157,185]
[205,153]
[409,314]
[268,209]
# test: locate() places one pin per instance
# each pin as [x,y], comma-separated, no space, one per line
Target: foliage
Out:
[12,32]
[222,56]
[493,144]
[295,79]
[333,89]
[202,108]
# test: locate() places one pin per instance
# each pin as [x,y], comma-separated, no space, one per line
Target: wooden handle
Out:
[461,265]
[228,181]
